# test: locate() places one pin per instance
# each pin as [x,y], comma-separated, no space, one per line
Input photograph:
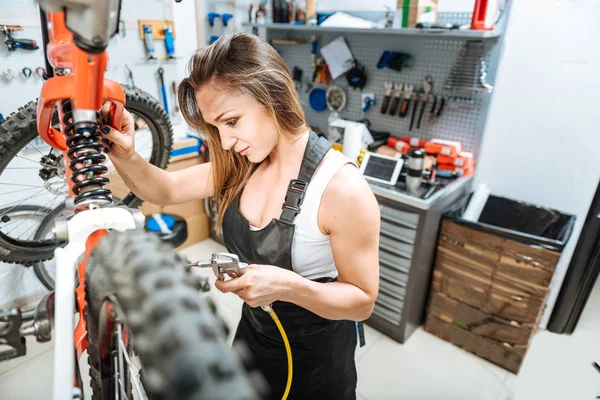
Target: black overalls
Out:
[322,350]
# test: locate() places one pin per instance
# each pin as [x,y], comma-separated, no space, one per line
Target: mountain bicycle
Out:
[133,295]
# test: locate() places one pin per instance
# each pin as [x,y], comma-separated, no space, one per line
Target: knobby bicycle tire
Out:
[19,129]
[173,328]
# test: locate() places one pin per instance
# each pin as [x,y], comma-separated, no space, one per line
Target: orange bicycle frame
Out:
[86,88]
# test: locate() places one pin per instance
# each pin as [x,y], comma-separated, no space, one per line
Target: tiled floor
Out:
[424,368]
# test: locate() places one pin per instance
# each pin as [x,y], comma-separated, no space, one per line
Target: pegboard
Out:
[464,114]
[20,12]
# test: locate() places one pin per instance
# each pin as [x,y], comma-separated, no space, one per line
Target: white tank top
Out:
[312,257]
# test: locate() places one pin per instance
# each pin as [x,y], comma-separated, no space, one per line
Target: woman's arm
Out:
[147,181]
[349,213]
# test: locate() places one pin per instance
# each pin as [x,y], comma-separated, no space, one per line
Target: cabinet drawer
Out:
[387,314]
[395,247]
[406,235]
[407,219]
[392,289]
[397,277]
[392,261]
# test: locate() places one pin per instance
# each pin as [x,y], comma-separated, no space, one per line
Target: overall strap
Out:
[316,148]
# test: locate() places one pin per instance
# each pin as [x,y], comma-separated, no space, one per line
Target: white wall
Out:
[544,115]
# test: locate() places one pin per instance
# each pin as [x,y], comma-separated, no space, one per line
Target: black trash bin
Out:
[491,277]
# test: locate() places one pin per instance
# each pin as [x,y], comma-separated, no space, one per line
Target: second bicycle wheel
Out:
[33,174]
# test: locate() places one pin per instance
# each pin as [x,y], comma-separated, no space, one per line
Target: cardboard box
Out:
[412,12]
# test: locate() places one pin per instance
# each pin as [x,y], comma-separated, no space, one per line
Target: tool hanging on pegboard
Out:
[397,93]
[356,76]
[387,93]
[408,91]
[14,44]
[469,74]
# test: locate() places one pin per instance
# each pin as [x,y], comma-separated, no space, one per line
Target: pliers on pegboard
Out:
[434,115]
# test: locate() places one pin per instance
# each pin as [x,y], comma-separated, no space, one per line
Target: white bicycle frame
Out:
[78,229]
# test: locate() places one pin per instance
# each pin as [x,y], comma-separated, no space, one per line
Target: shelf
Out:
[442,33]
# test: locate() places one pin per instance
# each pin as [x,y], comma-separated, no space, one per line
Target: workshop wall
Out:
[17,282]
[541,141]
[123,50]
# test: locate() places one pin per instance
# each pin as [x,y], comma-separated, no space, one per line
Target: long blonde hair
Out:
[239,64]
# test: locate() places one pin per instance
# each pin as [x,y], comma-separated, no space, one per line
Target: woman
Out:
[316,257]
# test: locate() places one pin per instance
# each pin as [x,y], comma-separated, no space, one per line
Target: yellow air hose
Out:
[288,349]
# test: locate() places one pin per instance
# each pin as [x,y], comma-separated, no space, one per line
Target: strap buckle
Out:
[294,198]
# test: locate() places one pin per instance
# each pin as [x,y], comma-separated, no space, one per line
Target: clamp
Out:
[223,263]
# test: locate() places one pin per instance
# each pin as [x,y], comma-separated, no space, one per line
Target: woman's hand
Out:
[119,143]
[260,285]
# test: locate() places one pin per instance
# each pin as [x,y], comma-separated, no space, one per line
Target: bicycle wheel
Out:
[22,152]
[140,287]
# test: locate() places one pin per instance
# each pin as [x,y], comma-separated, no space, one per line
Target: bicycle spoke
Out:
[36,149]
[37,162]
[49,205]
[18,184]
[21,202]
[22,190]
[130,364]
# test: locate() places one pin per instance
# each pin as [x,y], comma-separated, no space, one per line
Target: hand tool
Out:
[397,93]
[408,90]
[414,111]
[176,104]
[427,86]
[169,43]
[221,264]
[27,72]
[130,75]
[435,113]
[313,55]
[149,41]
[212,16]
[356,77]
[387,93]
[226,18]
[368,100]
[163,89]
[14,44]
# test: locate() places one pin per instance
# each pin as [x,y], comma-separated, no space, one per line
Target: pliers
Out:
[223,263]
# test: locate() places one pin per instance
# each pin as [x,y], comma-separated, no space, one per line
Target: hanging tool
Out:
[427,86]
[41,72]
[163,89]
[226,18]
[169,42]
[130,75]
[14,44]
[149,41]
[356,77]
[313,55]
[408,91]
[435,113]
[387,93]
[297,77]
[27,72]
[397,93]
[176,111]
[367,100]
[212,16]
[414,111]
